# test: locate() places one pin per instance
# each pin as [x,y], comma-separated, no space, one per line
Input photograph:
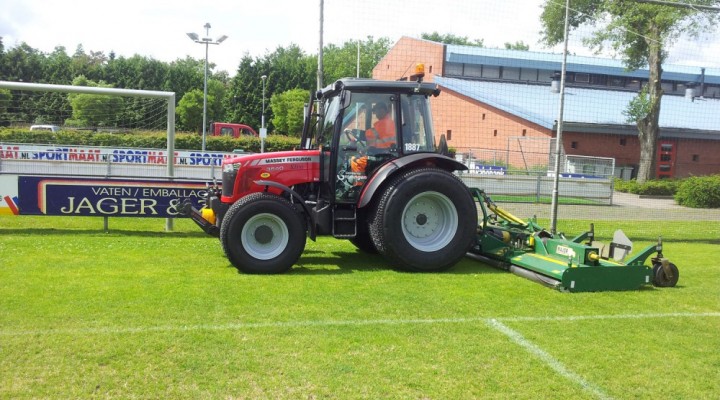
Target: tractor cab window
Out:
[368,138]
[417,133]
[330,114]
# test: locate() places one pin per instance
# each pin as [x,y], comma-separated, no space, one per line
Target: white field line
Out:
[326,323]
[547,359]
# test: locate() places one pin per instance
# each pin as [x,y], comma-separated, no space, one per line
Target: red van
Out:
[229,129]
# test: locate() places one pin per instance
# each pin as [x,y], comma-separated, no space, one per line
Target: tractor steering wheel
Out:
[360,145]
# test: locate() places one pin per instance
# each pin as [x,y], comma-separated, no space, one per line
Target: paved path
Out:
[625,207]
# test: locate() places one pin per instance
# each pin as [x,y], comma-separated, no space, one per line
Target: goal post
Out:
[169,96]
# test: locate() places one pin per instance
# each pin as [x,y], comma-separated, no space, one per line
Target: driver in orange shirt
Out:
[382,134]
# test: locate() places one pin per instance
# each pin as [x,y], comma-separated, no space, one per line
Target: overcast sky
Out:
[157,28]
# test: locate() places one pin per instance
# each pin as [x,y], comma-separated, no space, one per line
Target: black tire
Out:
[425,220]
[263,234]
[362,240]
[660,278]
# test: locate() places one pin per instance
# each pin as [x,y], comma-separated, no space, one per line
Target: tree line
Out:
[290,75]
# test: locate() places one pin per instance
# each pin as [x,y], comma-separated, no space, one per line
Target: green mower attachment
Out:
[576,265]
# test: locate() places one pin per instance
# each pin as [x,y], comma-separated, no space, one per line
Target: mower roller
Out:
[579,264]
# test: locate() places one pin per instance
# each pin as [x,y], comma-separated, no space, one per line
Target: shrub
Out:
[699,192]
[146,140]
[625,186]
[658,187]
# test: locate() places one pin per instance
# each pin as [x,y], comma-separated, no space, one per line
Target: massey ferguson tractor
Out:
[397,196]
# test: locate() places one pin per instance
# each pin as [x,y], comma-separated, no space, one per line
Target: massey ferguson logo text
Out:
[285,160]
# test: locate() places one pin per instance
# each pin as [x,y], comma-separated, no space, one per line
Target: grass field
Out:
[141,313]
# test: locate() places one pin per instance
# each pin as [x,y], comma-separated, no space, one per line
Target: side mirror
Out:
[346,97]
[443,146]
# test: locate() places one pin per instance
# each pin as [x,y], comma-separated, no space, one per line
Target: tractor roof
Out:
[372,85]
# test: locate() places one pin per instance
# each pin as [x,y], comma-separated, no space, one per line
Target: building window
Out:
[633,84]
[430,70]
[453,69]
[524,132]
[712,91]
[545,75]
[527,74]
[574,145]
[511,73]
[598,80]
[623,142]
[491,72]
[449,134]
[483,117]
[473,70]
[495,132]
[616,81]
[582,78]
[696,158]
[667,87]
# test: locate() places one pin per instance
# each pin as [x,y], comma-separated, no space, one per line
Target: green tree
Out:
[519,45]
[288,111]
[449,38]
[341,61]
[190,110]
[184,75]
[641,33]
[285,68]
[5,97]
[94,110]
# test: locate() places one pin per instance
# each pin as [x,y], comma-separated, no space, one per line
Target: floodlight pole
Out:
[320,48]
[207,41]
[558,136]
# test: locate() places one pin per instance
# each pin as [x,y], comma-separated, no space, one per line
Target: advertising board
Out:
[67,196]
[8,195]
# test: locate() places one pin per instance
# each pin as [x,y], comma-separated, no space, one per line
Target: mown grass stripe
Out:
[323,323]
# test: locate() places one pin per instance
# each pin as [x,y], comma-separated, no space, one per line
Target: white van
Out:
[51,128]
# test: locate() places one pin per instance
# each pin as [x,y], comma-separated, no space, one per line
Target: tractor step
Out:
[344,223]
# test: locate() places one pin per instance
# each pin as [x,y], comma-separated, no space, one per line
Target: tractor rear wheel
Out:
[425,220]
[362,240]
[661,279]
[263,233]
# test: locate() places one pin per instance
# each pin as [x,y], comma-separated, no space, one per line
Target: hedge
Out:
[699,192]
[657,187]
[146,140]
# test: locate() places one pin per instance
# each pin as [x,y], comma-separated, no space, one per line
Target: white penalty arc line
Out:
[327,323]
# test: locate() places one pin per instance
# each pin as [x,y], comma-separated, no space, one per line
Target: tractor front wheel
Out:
[263,234]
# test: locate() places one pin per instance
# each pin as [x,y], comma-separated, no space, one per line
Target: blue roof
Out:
[553,61]
[537,104]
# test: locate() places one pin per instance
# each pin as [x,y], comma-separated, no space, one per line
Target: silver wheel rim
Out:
[264,236]
[429,221]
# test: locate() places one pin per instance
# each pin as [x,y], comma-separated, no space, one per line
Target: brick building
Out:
[493,100]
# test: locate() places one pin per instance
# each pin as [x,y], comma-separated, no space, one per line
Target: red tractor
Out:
[405,202]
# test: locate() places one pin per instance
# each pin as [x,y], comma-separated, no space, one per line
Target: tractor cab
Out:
[363,124]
